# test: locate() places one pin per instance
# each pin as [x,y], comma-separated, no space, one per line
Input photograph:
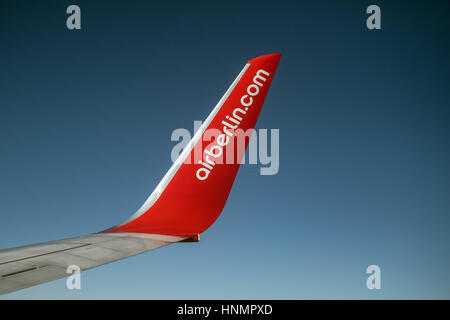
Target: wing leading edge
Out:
[185,203]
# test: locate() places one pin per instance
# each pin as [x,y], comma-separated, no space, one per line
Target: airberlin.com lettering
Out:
[228,128]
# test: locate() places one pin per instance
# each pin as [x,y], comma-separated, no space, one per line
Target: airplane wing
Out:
[186,202]
[31,265]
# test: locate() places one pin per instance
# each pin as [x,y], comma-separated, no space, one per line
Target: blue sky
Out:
[86,118]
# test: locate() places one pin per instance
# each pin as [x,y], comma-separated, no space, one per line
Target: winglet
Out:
[193,193]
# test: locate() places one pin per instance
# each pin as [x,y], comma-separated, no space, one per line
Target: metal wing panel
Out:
[31,265]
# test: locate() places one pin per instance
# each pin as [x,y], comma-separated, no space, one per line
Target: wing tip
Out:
[273,57]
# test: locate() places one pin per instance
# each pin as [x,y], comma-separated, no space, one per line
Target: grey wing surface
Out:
[27,266]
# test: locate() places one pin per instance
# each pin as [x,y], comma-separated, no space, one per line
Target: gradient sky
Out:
[86,118]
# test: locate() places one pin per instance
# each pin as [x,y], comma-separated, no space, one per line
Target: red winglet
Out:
[192,195]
